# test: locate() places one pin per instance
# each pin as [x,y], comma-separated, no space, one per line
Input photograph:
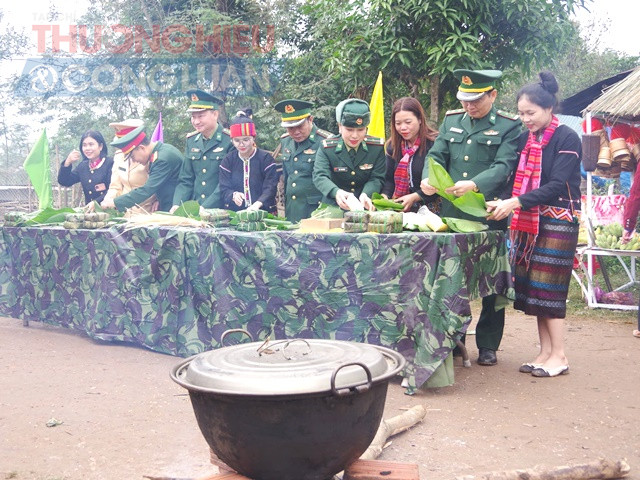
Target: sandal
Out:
[550,372]
[528,367]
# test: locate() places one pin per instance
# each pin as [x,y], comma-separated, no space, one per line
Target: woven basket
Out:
[628,165]
[619,150]
[604,157]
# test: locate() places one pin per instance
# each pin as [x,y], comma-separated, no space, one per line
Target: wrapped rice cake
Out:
[385,222]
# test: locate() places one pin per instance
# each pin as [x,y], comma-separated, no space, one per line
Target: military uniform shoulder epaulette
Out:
[226,131]
[508,115]
[330,142]
[324,133]
[455,112]
[191,134]
[369,140]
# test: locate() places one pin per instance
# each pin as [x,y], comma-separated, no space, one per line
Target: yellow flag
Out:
[376,126]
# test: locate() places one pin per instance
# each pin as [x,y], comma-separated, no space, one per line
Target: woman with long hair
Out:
[411,138]
[544,228]
[94,169]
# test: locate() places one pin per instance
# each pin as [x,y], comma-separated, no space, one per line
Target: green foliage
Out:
[326,51]
[414,40]
[12,41]
[576,67]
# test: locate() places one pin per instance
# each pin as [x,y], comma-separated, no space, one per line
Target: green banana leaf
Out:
[49,216]
[325,210]
[440,179]
[271,216]
[189,209]
[472,203]
[382,203]
[461,225]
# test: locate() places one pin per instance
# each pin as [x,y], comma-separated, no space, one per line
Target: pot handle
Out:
[290,342]
[361,388]
[234,330]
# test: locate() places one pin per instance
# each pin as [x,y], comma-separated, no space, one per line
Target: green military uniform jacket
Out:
[199,174]
[335,169]
[482,150]
[301,195]
[164,168]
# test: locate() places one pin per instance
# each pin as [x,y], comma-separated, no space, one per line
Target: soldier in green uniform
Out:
[164,162]
[352,166]
[206,147]
[298,148]
[477,145]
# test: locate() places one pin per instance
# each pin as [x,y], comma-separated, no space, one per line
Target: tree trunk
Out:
[414,90]
[434,89]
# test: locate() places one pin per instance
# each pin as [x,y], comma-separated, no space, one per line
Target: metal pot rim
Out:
[234,371]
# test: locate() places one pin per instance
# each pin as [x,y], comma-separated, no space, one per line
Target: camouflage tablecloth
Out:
[177,290]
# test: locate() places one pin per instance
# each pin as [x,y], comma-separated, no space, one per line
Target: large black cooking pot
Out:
[290,410]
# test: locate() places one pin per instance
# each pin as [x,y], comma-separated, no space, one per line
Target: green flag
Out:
[37,167]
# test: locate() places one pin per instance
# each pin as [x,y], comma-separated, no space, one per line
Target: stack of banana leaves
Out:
[72,217]
[257,220]
[426,221]
[325,210]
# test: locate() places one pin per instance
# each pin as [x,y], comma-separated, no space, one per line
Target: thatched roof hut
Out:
[621,101]
[576,103]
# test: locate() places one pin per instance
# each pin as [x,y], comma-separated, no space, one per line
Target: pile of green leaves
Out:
[461,225]
[471,203]
[48,216]
[382,203]
[55,216]
[188,209]
[327,211]
[278,223]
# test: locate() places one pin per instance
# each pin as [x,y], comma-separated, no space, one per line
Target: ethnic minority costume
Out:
[94,178]
[256,177]
[545,230]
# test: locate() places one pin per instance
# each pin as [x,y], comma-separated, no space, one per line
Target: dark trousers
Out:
[490,324]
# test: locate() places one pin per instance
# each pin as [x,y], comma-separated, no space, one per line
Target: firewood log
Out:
[599,469]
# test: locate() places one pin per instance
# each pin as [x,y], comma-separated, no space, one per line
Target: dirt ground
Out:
[123,418]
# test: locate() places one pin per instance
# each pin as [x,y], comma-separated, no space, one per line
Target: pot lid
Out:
[287,367]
